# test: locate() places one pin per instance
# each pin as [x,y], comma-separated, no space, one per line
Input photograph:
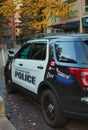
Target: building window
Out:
[73,9]
[7,31]
[86,5]
[54,20]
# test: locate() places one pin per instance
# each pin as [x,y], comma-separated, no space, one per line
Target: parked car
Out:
[55,70]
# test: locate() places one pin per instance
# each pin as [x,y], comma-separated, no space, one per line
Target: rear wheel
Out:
[51,109]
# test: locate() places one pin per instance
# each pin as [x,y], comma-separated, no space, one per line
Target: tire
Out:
[8,83]
[52,112]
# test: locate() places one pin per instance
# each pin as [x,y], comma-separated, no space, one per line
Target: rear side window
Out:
[65,52]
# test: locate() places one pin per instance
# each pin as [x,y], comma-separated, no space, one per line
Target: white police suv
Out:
[56,71]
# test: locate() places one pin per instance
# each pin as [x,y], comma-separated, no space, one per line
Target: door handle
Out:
[20,64]
[39,67]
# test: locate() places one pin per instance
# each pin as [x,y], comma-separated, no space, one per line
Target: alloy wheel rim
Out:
[49,108]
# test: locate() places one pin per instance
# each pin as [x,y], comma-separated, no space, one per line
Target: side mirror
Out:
[11,54]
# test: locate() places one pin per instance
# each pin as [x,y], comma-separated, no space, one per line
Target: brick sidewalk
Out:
[5,124]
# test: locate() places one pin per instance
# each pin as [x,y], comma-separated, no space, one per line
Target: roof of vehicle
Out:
[64,37]
[69,37]
[49,35]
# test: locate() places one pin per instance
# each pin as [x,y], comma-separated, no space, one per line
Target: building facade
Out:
[75,21]
[8,34]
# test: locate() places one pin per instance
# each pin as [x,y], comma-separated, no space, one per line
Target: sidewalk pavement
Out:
[1,72]
[5,124]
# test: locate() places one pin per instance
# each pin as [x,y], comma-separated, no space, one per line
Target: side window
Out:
[65,52]
[39,52]
[24,52]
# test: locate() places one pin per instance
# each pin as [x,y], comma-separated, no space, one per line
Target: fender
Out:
[48,84]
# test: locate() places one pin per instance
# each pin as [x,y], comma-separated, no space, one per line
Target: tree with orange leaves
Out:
[38,12]
[35,15]
[8,8]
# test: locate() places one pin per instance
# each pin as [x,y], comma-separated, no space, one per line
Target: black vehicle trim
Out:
[76,115]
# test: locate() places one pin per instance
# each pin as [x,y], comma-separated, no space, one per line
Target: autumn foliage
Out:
[8,8]
[34,14]
[37,13]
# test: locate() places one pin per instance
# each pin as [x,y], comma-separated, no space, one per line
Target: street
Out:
[25,114]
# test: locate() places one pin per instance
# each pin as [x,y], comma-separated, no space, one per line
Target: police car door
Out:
[29,71]
[19,66]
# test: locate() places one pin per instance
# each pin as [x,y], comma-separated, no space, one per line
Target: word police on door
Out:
[26,77]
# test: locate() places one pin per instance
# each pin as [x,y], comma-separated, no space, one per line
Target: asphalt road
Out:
[25,114]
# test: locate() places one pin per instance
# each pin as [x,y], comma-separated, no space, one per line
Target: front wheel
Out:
[51,109]
[9,84]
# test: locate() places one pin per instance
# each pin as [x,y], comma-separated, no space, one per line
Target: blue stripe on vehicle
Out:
[65,80]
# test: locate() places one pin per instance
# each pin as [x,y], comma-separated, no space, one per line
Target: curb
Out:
[2,107]
[5,124]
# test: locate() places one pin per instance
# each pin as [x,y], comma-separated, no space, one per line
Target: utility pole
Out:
[81,29]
